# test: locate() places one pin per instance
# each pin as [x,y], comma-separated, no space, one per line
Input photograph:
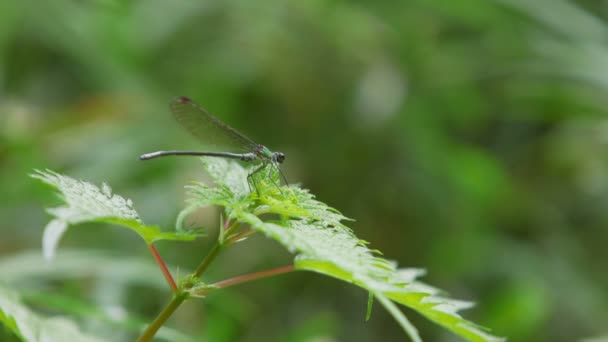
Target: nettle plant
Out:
[290,215]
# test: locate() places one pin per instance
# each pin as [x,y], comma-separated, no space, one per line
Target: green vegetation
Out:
[303,225]
[466,138]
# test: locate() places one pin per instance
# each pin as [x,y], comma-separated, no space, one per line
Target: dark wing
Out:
[211,131]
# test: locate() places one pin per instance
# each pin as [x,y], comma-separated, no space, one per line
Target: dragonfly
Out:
[219,137]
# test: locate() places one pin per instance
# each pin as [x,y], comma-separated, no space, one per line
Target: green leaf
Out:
[85,202]
[400,317]
[322,243]
[29,266]
[29,326]
[79,308]
[370,303]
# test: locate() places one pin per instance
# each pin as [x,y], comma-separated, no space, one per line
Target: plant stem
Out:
[246,278]
[180,296]
[240,235]
[163,268]
[227,224]
[208,259]
[162,317]
[214,251]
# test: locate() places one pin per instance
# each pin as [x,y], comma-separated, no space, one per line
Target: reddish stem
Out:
[247,277]
[163,268]
[241,235]
[227,224]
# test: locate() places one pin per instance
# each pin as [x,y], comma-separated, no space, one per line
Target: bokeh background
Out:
[465,137]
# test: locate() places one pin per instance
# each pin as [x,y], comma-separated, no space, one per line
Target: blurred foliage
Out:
[489,115]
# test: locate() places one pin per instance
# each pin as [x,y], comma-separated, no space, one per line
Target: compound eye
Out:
[280,157]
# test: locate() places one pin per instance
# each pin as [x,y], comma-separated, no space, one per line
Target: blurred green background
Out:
[465,137]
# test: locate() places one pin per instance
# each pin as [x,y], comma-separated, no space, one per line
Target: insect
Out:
[220,137]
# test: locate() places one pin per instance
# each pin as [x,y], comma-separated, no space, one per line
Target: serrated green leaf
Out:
[226,177]
[302,204]
[322,243]
[31,327]
[85,202]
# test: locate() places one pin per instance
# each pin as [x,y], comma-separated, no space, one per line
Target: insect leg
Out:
[282,175]
[272,180]
[250,178]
